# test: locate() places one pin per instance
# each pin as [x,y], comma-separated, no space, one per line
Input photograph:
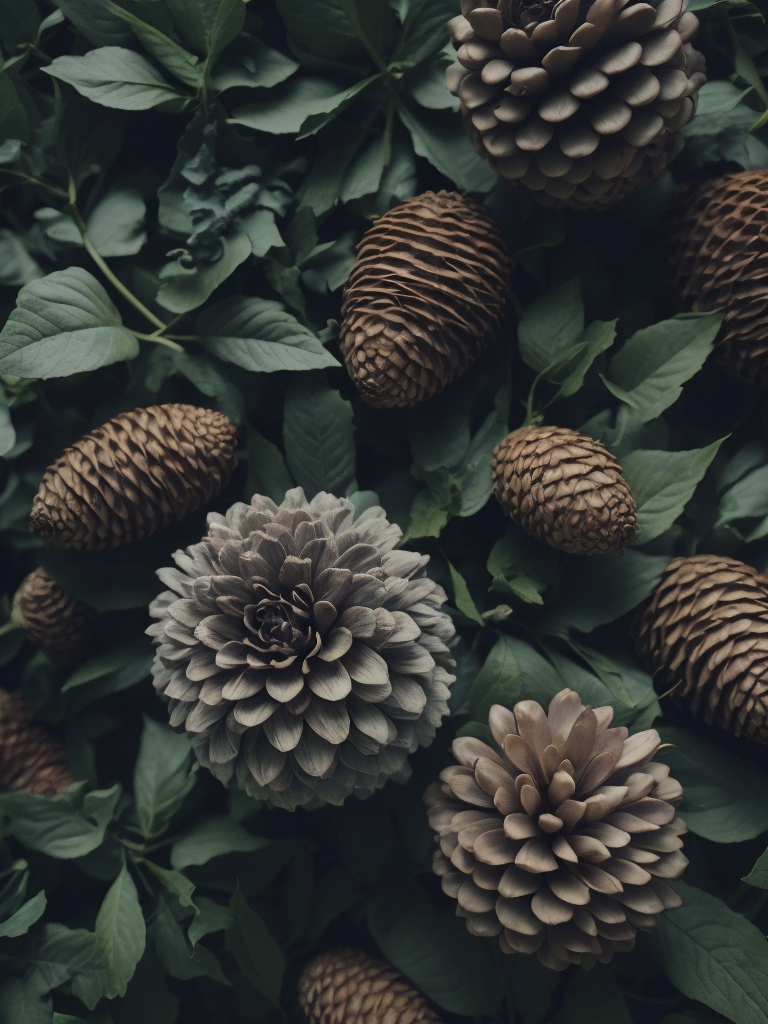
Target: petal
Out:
[329,719]
[329,680]
[336,644]
[314,754]
[283,730]
[285,684]
[254,710]
[365,665]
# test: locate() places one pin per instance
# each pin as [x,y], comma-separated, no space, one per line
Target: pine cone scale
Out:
[61,626]
[30,760]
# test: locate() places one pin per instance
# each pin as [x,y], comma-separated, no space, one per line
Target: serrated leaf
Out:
[318,436]
[20,922]
[120,934]
[116,77]
[258,955]
[64,323]
[161,778]
[213,837]
[551,325]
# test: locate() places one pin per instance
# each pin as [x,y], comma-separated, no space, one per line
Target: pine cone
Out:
[558,837]
[133,475]
[580,102]
[301,651]
[30,760]
[53,620]
[346,986]
[565,489]
[705,630]
[717,258]
[425,296]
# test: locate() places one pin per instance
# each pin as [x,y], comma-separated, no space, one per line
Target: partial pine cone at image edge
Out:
[61,626]
[140,471]
[580,103]
[425,297]
[559,837]
[30,759]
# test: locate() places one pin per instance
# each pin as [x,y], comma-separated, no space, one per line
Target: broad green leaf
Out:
[267,471]
[174,951]
[593,997]
[116,224]
[424,30]
[20,922]
[19,22]
[258,955]
[663,483]
[724,796]
[115,77]
[363,176]
[125,666]
[213,837]
[439,137]
[512,669]
[438,434]
[462,597]
[284,109]
[174,882]
[211,917]
[746,499]
[570,368]
[714,955]
[319,119]
[64,323]
[162,777]
[551,325]
[120,934]
[64,827]
[250,63]
[186,287]
[474,474]
[431,510]
[758,876]
[260,335]
[26,1000]
[96,21]
[656,361]
[318,436]
[13,117]
[174,58]
[208,25]
[320,33]
[57,954]
[521,566]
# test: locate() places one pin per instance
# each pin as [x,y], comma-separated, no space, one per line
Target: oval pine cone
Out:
[133,475]
[705,631]
[30,760]
[718,259]
[346,986]
[565,489]
[425,297]
[580,102]
[51,618]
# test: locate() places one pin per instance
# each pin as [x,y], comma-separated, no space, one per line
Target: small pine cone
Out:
[133,475]
[30,760]
[705,631]
[560,834]
[51,618]
[346,986]
[565,489]
[717,258]
[424,299]
[580,102]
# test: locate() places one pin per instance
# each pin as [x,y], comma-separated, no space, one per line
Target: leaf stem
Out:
[8,627]
[30,179]
[158,339]
[354,21]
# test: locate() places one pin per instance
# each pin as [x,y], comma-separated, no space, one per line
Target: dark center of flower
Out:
[281,627]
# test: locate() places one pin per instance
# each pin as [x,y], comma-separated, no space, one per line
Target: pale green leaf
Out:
[115,77]
[120,934]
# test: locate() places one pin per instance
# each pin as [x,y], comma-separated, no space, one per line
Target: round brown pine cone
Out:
[717,258]
[133,475]
[30,760]
[580,102]
[559,835]
[705,630]
[51,618]
[346,986]
[425,297]
[565,489]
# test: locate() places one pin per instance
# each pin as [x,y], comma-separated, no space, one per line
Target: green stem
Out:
[388,129]
[28,178]
[158,339]
[9,627]
[354,21]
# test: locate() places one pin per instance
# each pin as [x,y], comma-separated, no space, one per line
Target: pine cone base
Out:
[30,760]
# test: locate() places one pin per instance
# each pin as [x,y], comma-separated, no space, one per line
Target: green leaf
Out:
[656,361]
[431,510]
[116,224]
[147,1000]
[174,952]
[64,323]
[120,934]
[474,474]
[746,499]
[259,335]
[521,566]
[724,797]
[439,137]
[258,955]
[26,1000]
[714,955]
[320,33]
[161,778]
[64,827]
[551,325]
[284,109]
[186,287]
[267,471]
[20,922]
[513,668]
[319,119]
[213,837]
[318,436]
[211,917]
[174,58]
[250,63]
[13,117]
[208,25]
[462,597]
[758,876]
[96,21]
[174,882]
[663,483]
[125,666]
[115,77]
[19,22]
[424,31]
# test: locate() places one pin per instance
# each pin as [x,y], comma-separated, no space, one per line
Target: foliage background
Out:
[184,183]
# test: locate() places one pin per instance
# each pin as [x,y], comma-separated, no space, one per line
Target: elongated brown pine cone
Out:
[424,299]
[346,986]
[133,475]
[560,834]
[580,102]
[705,630]
[51,618]
[565,489]
[717,258]
[30,760]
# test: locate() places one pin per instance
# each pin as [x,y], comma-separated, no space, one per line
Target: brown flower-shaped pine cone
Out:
[30,760]
[346,986]
[565,489]
[133,475]
[581,102]
[559,836]
[717,258]
[302,652]
[705,631]
[425,297]
[51,618]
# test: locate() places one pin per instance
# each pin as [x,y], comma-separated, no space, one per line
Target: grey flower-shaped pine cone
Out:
[303,654]
[559,836]
[580,101]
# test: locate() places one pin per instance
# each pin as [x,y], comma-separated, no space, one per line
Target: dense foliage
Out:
[184,184]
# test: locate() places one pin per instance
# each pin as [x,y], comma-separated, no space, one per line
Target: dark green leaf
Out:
[267,471]
[521,566]
[284,109]
[174,952]
[162,776]
[185,287]
[258,955]
[317,431]
[96,21]
[64,827]
[25,1000]
[440,138]
[212,837]
[592,997]
[551,325]
[120,934]
[174,58]
[252,64]
[115,77]
[20,922]
[758,876]
[513,671]
[174,882]
[424,29]
[13,117]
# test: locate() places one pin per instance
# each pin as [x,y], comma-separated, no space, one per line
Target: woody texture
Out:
[60,625]
[30,759]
